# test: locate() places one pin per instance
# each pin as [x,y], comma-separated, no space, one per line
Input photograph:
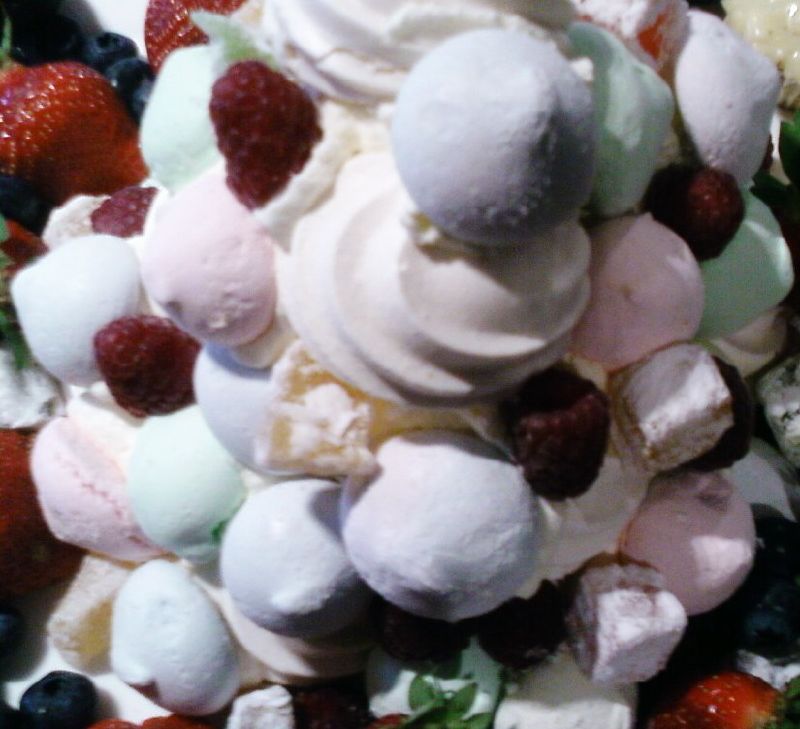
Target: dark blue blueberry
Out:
[133,79]
[772,627]
[60,700]
[12,718]
[30,10]
[12,627]
[778,546]
[104,49]
[20,202]
[54,38]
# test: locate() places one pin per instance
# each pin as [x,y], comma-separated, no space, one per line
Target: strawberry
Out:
[124,213]
[727,700]
[168,25]
[66,132]
[147,363]
[388,721]
[30,557]
[21,247]
[266,127]
[173,721]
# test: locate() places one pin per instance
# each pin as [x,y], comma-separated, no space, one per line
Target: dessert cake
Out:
[398,363]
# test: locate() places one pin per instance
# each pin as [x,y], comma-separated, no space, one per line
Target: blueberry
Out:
[30,10]
[778,546]
[60,700]
[54,38]
[772,627]
[103,49]
[20,202]
[132,78]
[12,718]
[12,628]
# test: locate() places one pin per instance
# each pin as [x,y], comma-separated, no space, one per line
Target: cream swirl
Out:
[360,50]
[441,325]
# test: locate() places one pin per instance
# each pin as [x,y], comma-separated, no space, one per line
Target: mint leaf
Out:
[15,341]
[3,233]
[789,149]
[771,191]
[461,702]
[479,721]
[422,693]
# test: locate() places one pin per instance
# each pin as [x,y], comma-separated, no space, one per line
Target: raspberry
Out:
[558,424]
[168,25]
[521,633]
[174,721]
[390,720]
[329,708]
[735,441]
[30,557]
[147,363]
[124,213]
[704,207]
[412,638]
[266,127]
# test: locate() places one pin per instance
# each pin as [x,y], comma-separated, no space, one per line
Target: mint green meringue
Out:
[177,138]
[633,112]
[183,486]
[752,274]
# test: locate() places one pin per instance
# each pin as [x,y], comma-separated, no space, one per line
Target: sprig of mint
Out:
[783,197]
[788,714]
[435,708]
[9,326]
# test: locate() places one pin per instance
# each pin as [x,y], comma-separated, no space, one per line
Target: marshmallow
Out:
[445,529]
[726,93]
[699,533]
[80,624]
[505,115]
[66,297]
[671,407]
[284,565]
[269,708]
[28,397]
[623,624]
[168,640]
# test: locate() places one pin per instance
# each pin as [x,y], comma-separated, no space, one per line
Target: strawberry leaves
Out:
[433,707]
[783,197]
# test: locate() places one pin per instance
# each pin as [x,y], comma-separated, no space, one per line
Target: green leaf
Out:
[15,341]
[479,721]
[462,700]
[789,149]
[422,693]
[3,231]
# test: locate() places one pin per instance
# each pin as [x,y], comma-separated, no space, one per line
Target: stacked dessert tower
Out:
[419,341]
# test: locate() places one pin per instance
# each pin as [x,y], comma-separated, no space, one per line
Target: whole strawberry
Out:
[147,363]
[266,127]
[30,557]
[728,700]
[66,132]
[168,25]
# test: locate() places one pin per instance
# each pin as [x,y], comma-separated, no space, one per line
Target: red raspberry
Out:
[704,207]
[147,363]
[174,721]
[559,424]
[329,707]
[521,633]
[413,638]
[168,25]
[124,213]
[266,127]
[21,247]
[735,441]
[388,721]
[30,557]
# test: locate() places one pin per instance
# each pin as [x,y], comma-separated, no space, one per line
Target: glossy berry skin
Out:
[147,363]
[103,49]
[266,127]
[124,213]
[559,425]
[60,700]
[19,201]
[12,627]
[128,76]
[521,633]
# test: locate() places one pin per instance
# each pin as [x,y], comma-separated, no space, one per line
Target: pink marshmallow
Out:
[647,292]
[699,533]
[210,264]
[82,492]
